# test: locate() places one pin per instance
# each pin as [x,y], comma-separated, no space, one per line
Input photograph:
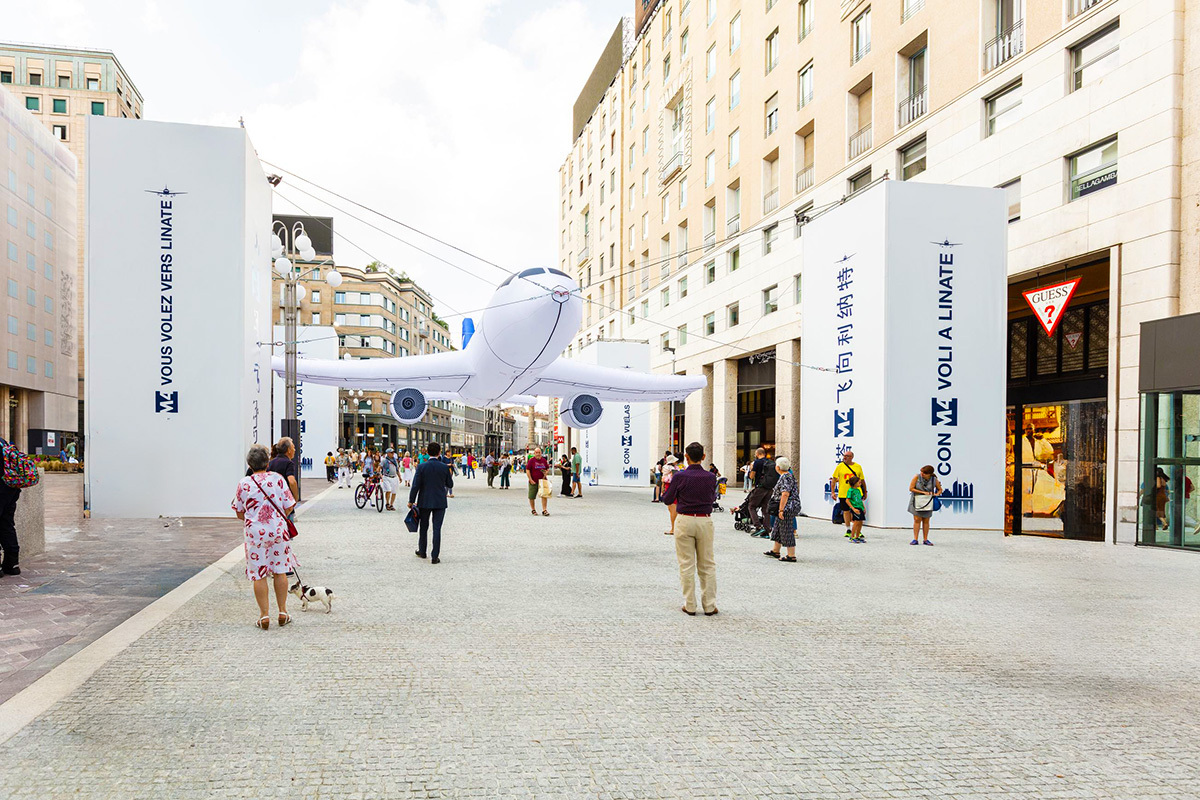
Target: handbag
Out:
[923,502]
[20,471]
[291,533]
[937,504]
[544,488]
[411,521]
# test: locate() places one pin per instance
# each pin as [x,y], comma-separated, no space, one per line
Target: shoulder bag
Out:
[923,502]
[292,533]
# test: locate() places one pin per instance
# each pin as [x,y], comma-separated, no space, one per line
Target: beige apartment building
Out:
[62,87]
[38,384]
[376,313]
[730,123]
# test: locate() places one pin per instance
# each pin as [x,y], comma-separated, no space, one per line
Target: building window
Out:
[31,331]
[682,331]
[772,114]
[772,53]
[645,309]
[859,181]
[316,318]
[12,359]
[912,160]
[60,132]
[1095,57]
[12,252]
[731,315]
[12,288]
[735,33]
[1012,193]
[770,297]
[806,18]
[665,342]
[735,147]
[6,76]
[93,84]
[665,295]
[735,259]
[31,365]
[735,89]
[710,168]
[710,63]
[48,337]
[97,108]
[645,183]
[58,105]
[682,288]
[13,326]
[666,67]
[64,81]
[806,85]
[33,104]
[770,236]
[710,115]
[35,79]
[796,299]
[710,323]
[861,36]
[683,43]
[710,272]
[1093,169]
[683,191]
[711,11]
[1003,108]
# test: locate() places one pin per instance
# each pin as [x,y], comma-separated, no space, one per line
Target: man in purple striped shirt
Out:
[693,491]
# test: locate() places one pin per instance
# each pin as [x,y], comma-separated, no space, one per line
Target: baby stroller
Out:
[722,485]
[741,519]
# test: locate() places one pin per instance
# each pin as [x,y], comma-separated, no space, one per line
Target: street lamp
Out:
[355,395]
[294,240]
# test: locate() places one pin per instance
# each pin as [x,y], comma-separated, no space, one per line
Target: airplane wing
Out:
[436,372]
[565,378]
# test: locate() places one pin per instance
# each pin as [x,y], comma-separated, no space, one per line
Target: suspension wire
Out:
[378,213]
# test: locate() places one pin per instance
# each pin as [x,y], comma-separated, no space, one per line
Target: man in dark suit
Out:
[430,486]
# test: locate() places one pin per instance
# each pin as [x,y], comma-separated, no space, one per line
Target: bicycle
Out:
[362,495]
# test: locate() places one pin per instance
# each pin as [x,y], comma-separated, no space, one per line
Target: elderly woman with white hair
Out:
[784,506]
[263,502]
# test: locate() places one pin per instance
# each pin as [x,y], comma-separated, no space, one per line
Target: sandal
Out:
[668,533]
[545,513]
[264,622]
[787,558]
[284,618]
[771,553]
[531,511]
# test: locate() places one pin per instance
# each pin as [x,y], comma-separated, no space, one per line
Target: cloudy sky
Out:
[450,115]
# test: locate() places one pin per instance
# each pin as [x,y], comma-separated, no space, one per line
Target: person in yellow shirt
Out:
[841,477]
[330,468]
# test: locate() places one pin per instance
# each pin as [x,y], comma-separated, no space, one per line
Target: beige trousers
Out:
[694,549]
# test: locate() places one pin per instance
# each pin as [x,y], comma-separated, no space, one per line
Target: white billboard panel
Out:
[905,298]
[178,301]
[616,451]
[316,405]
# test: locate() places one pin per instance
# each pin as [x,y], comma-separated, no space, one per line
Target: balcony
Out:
[804,180]
[683,256]
[771,200]
[1005,47]
[911,7]
[860,142]
[710,240]
[673,165]
[733,225]
[1077,7]
[914,106]
[860,53]
[585,251]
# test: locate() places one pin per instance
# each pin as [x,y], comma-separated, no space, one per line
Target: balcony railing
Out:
[860,53]
[804,180]
[806,30]
[911,7]
[1005,47]
[860,142]
[683,255]
[673,165]
[806,97]
[710,240]
[914,106]
[1077,7]
[733,225]
[771,200]
[584,252]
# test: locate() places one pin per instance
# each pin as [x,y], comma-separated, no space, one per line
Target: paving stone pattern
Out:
[548,658]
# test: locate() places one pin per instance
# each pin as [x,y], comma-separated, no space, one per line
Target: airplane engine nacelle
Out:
[408,405]
[581,411]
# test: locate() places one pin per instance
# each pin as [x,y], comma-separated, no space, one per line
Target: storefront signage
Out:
[1049,303]
[1097,183]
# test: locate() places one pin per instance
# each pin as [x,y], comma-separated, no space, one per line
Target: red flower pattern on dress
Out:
[265,530]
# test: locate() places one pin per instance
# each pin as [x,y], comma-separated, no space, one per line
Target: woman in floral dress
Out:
[261,501]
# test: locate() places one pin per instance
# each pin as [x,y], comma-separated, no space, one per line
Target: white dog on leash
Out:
[313,594]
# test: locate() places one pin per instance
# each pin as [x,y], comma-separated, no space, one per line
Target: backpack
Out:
[20,471]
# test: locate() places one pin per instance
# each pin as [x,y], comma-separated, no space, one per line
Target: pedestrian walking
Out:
[389,478]
[263,503]
[489,462]
[536,470]
[564,471]
[692,492]
[470,465]
[668,473]
[576,473]
[343,469]
[858,511]
[330,468]
[430,487]
[762,478]
[840,483]
[923,493]
[283,462]
[9,496]
[656,477]
[506,464]
[784,505]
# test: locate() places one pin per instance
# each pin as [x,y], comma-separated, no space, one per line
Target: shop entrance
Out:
[756,406]
[1058,415]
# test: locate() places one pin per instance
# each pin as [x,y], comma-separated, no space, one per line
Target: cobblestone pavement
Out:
[94,575]
[548,658]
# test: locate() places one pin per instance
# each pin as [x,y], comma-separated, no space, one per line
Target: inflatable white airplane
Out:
[512,358]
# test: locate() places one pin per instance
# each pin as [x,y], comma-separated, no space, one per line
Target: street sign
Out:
[559,440]
[1049,303]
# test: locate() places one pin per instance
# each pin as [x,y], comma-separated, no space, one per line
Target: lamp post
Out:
[294,240]
[355,396]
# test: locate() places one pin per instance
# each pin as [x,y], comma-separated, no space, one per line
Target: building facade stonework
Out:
[729,125]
